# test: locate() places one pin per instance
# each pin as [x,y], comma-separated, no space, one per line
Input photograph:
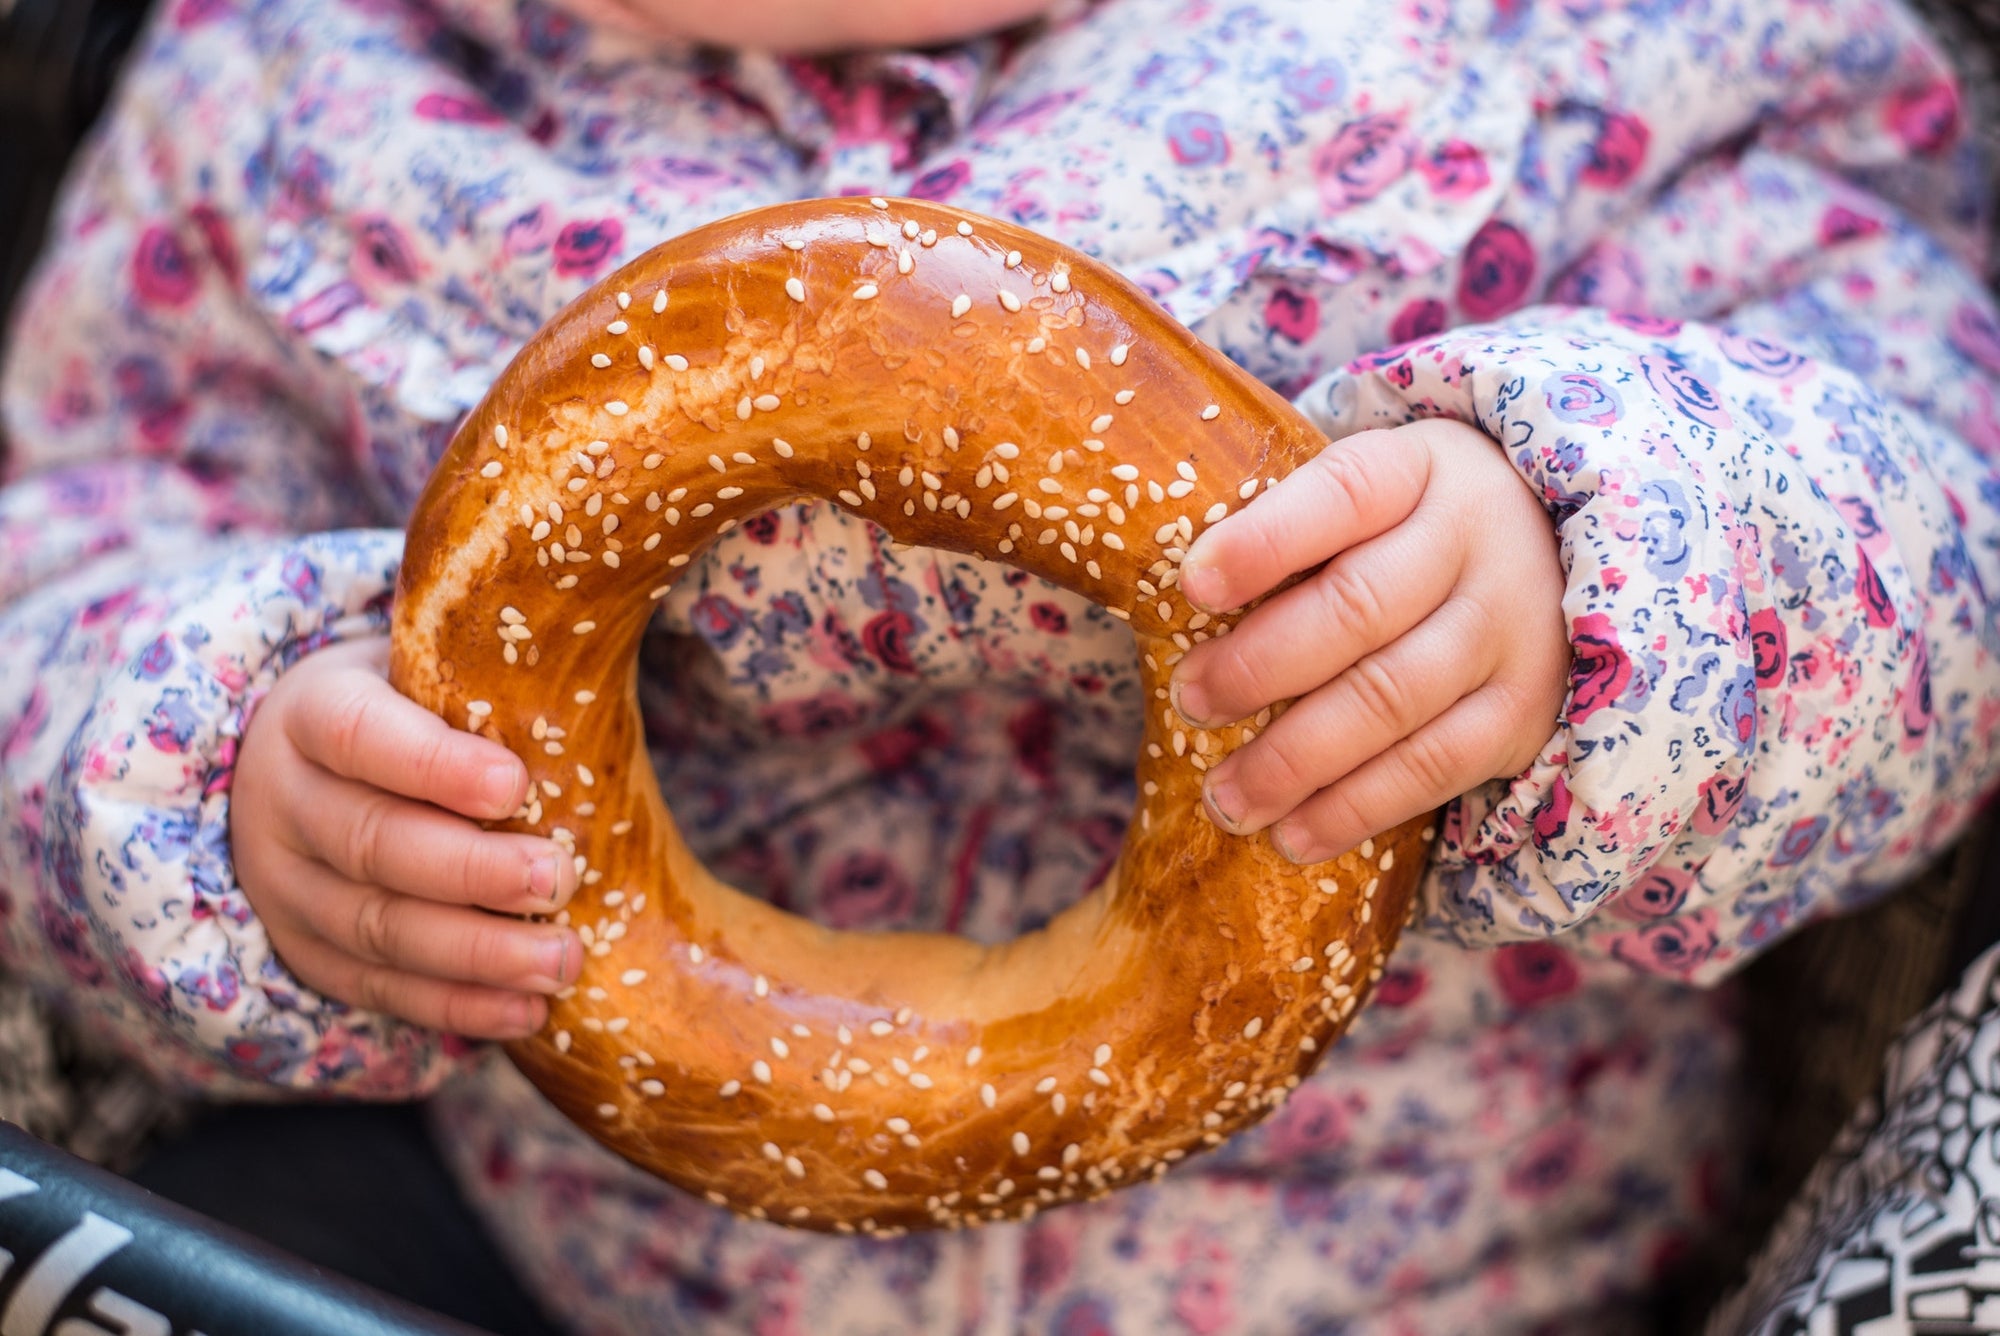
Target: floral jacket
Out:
[1706,272]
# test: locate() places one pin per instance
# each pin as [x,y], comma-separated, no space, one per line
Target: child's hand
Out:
[1430,654]
[341,819]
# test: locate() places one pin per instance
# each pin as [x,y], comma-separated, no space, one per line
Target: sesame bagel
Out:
[966,385]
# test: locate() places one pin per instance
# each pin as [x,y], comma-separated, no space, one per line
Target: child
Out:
[1701,283]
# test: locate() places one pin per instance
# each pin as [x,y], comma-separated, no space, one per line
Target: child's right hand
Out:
[353,822]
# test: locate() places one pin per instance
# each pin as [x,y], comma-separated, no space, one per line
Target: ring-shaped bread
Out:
[970,386]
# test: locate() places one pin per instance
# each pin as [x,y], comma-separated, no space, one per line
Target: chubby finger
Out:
[1358,602]
[472,1010]
[1457,751]
[452,942]
[378,839]
[1352,490]
[358,726]
[1384,697]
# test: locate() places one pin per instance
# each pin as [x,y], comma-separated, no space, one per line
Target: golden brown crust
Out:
[959,381]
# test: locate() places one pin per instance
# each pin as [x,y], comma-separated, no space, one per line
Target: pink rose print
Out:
[1048,618]
[1400,986]
[220,242]
[1550,1160]
[583,247]
[1293,315]
[1673,381]
[1577,396]
[1659,893]
[529,233]
[381,254]
[1202,1300]
[1606,276]
[1498,268]
[1362,159]
[1760,355]
[1721,795]
[1313,1120]
[1618,153]
[1767,644]
[1317,86]
[1197,139]
[162,271]
[1675,947]
[1455,170]
[865,889]
[1600,670]
[1925,118]
[457,110]
[1419,319]
[1798,840]
[1840,223]
[1973,334]
[1877,608]
[887,636]
[941,183]
[1917,710]
[1530,973]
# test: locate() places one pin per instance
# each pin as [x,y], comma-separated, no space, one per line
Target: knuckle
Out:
[366,835]
[1274,770]
[463,1011]
[345,720]
[1431,763]
[1349,599]
[377,934]
[1379,690]
[487,953]
[1343,477]
[375,989]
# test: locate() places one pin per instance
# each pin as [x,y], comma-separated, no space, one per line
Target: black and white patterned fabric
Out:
[1898,1229]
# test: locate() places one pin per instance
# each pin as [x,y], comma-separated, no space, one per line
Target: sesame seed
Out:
[1020,1143]
[873,1178]
[780,1047]
[584,628]
[878,201]
[920,1081]
[607,1110]
[973,1055]
[761,986]
[796,1168]
[1009,301]
[965,229]
[767,403]
[1100,423]
[728,493]
[1071,1154]
[1059,280]
[1211,413]
[988,1096]
[880,1028]
[1103,1055]
[1253,1027]
[850,497]
[795,289]
[617,408]
[782,446]
[1215,512]
[1179,488]
[659,301]
[960,305]
[599,360]
[1098,1077]
[500,436]
[905,262]
[911,227]
[616,327]
[562,1041]
[652,1088]
[1013,259]
[762,1071]
[676,362]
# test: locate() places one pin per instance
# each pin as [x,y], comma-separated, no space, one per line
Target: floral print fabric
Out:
[1704,277]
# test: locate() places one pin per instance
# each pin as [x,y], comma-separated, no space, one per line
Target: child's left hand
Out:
[1428,655]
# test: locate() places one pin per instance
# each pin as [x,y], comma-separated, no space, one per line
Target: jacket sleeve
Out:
[1781,527]
[165,454]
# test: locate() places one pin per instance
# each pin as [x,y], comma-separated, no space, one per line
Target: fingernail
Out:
[1296,845]
[1202,585]
[545,878]
[499,785]
[1190,701]
[552,956]
[1224,802]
